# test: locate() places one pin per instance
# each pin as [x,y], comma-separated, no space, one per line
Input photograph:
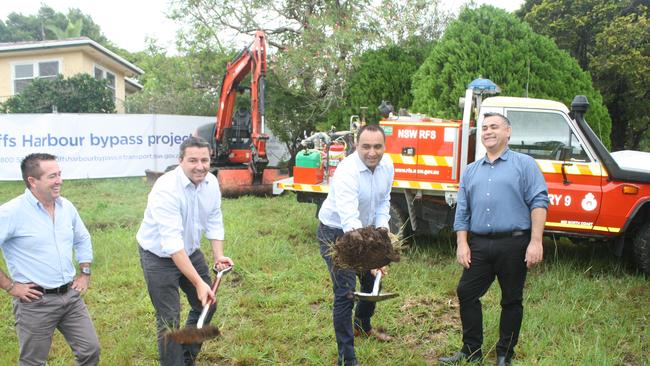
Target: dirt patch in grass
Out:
[433,319]
[264,232]
[210,359]
[234,279]
[315,306]
[364,249]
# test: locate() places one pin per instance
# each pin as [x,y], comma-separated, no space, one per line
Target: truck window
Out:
[542,135]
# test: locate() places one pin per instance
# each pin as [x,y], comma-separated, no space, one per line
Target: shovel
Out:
[374,296]
[199,333]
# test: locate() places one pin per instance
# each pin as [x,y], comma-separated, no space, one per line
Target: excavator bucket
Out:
[235,182]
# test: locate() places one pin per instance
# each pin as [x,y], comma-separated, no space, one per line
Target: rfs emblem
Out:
[589,202]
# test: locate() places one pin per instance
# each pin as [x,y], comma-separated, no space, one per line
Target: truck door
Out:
[572,175]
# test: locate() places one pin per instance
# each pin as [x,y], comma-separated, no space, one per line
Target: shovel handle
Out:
[199,324]
[215,287]
[375,286]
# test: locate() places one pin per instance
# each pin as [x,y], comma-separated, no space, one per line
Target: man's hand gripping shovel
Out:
[374,296]
[200,333]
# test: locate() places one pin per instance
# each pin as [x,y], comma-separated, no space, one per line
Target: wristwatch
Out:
[85,270]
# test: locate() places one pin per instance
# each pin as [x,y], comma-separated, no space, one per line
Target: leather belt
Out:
[59,290]
[502,234]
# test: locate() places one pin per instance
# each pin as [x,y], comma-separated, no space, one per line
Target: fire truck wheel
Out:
[642,248]
[399,224]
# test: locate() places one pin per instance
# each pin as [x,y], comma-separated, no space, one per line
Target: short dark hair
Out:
[494,114]
[372,128]
[193,141]
[31,165]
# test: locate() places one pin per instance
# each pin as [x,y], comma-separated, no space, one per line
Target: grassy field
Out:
[582,307]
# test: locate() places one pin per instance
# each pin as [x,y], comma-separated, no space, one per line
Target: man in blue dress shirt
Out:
[500,215]
[184,204]
[359,197]
[38,232]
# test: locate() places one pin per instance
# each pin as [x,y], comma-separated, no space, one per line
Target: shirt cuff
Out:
[215,235]
[352,226]
[382,223]
[171,246]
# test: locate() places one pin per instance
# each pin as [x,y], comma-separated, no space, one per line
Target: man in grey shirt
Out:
[500,215]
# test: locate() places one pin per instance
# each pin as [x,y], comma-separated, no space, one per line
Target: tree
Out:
[315,45]
[72,30]
[382,74]
[491,43]
[609,39]
[186,84]
[78,94]
[51,25]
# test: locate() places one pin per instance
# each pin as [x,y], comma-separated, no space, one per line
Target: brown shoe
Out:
[378,334]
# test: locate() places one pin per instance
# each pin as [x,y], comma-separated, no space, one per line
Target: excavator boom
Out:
[239,155]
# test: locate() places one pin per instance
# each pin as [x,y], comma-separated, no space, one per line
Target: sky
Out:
[128,23]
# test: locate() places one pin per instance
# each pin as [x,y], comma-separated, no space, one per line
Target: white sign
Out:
[95,145]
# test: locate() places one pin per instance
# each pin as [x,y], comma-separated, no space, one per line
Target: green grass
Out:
[582,306]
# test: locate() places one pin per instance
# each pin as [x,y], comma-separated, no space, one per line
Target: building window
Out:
[103,74]
[25,72]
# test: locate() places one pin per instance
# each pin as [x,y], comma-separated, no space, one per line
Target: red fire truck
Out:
[593,194]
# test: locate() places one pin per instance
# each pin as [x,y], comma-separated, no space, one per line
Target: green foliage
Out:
[78,94]
[314,47]
[610,40]
[72,30]
[621,64]
[187,84]
[51,25]
[383,74]
[491,43]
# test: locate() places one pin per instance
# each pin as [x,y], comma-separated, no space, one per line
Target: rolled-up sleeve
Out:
[536,195]
[6,224]
[83,246]
[214,225]
[166,212]
[463,214]
[382,215]
[347,201]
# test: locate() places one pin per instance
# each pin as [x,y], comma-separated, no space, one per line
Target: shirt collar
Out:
[35,202]
[363,167]
[504,156]
[186,182]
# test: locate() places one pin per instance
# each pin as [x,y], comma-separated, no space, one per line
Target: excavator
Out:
[238,140]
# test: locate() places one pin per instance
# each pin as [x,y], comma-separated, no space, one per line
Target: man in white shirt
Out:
[359,197]
[183,204]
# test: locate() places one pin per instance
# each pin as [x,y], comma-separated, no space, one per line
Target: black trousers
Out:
[504,259]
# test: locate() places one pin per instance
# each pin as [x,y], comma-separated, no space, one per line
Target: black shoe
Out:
[502,361]
[476,357]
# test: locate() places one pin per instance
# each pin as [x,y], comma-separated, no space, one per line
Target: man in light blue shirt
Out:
[39,230]
[359,197]
[184,204]
[500,215]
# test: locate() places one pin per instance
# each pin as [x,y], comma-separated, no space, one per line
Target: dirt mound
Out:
[364,249]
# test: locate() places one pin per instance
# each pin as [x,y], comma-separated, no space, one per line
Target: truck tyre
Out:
[642,248]
[398,221]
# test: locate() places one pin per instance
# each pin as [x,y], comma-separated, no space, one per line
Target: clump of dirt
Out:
[191,335]
[364,249]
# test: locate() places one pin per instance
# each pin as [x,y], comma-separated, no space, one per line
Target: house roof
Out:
[81,42]
[133,85]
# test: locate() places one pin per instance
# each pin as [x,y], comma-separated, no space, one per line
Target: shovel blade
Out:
[373,298]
